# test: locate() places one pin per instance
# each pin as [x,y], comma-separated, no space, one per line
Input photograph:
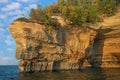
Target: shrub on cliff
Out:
[83,11]
[80,11]
[41,15]
[107,7]
[38,15]
[93,15]
[22,19]
[76,11]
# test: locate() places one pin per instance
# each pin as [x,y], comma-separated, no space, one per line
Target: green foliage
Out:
[107,7]
[78,12]
[77,15]
[54,8]
[22,19]
[53,25]
[38,14]
[93,14]
[32,14]
[61,2]
[41,15]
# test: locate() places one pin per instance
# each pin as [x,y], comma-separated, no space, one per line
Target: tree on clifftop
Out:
[32,14]
[107,7]
[76,11]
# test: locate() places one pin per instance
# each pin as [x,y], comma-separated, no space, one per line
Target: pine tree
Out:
[107,7]
[32,14]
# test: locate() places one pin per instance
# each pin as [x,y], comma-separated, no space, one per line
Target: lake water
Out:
[11,73]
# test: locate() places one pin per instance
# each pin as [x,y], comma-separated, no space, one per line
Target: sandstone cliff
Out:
[106,49]
[39,49]
[67,48]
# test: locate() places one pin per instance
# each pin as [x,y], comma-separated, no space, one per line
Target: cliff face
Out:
[39,49]
[106,49]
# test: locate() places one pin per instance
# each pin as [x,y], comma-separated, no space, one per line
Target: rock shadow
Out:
[96,54]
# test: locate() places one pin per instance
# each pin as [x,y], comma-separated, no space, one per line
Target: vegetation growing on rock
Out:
[67,48]
[76,11]
[22,19]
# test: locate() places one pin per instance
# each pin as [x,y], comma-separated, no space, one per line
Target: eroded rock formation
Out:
[106,49]
[39,49]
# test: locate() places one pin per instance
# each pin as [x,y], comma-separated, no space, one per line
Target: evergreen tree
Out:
[93,14]
[107,7]
[32,14]
[76,11]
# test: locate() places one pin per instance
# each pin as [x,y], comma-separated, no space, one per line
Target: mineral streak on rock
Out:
[106,49]
[39,49]
[106,52]
[67,48]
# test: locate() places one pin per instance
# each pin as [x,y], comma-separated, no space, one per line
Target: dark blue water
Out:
[11,73]
[8,72]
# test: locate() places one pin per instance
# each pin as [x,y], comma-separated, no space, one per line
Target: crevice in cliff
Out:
[42,50]
[95,58]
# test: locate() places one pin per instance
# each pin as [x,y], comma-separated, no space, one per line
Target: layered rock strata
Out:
[105,53]
[106,50]
[40,49]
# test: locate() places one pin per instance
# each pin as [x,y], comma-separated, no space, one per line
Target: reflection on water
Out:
[84,74]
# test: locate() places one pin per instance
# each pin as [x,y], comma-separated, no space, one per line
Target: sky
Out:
[9,11]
